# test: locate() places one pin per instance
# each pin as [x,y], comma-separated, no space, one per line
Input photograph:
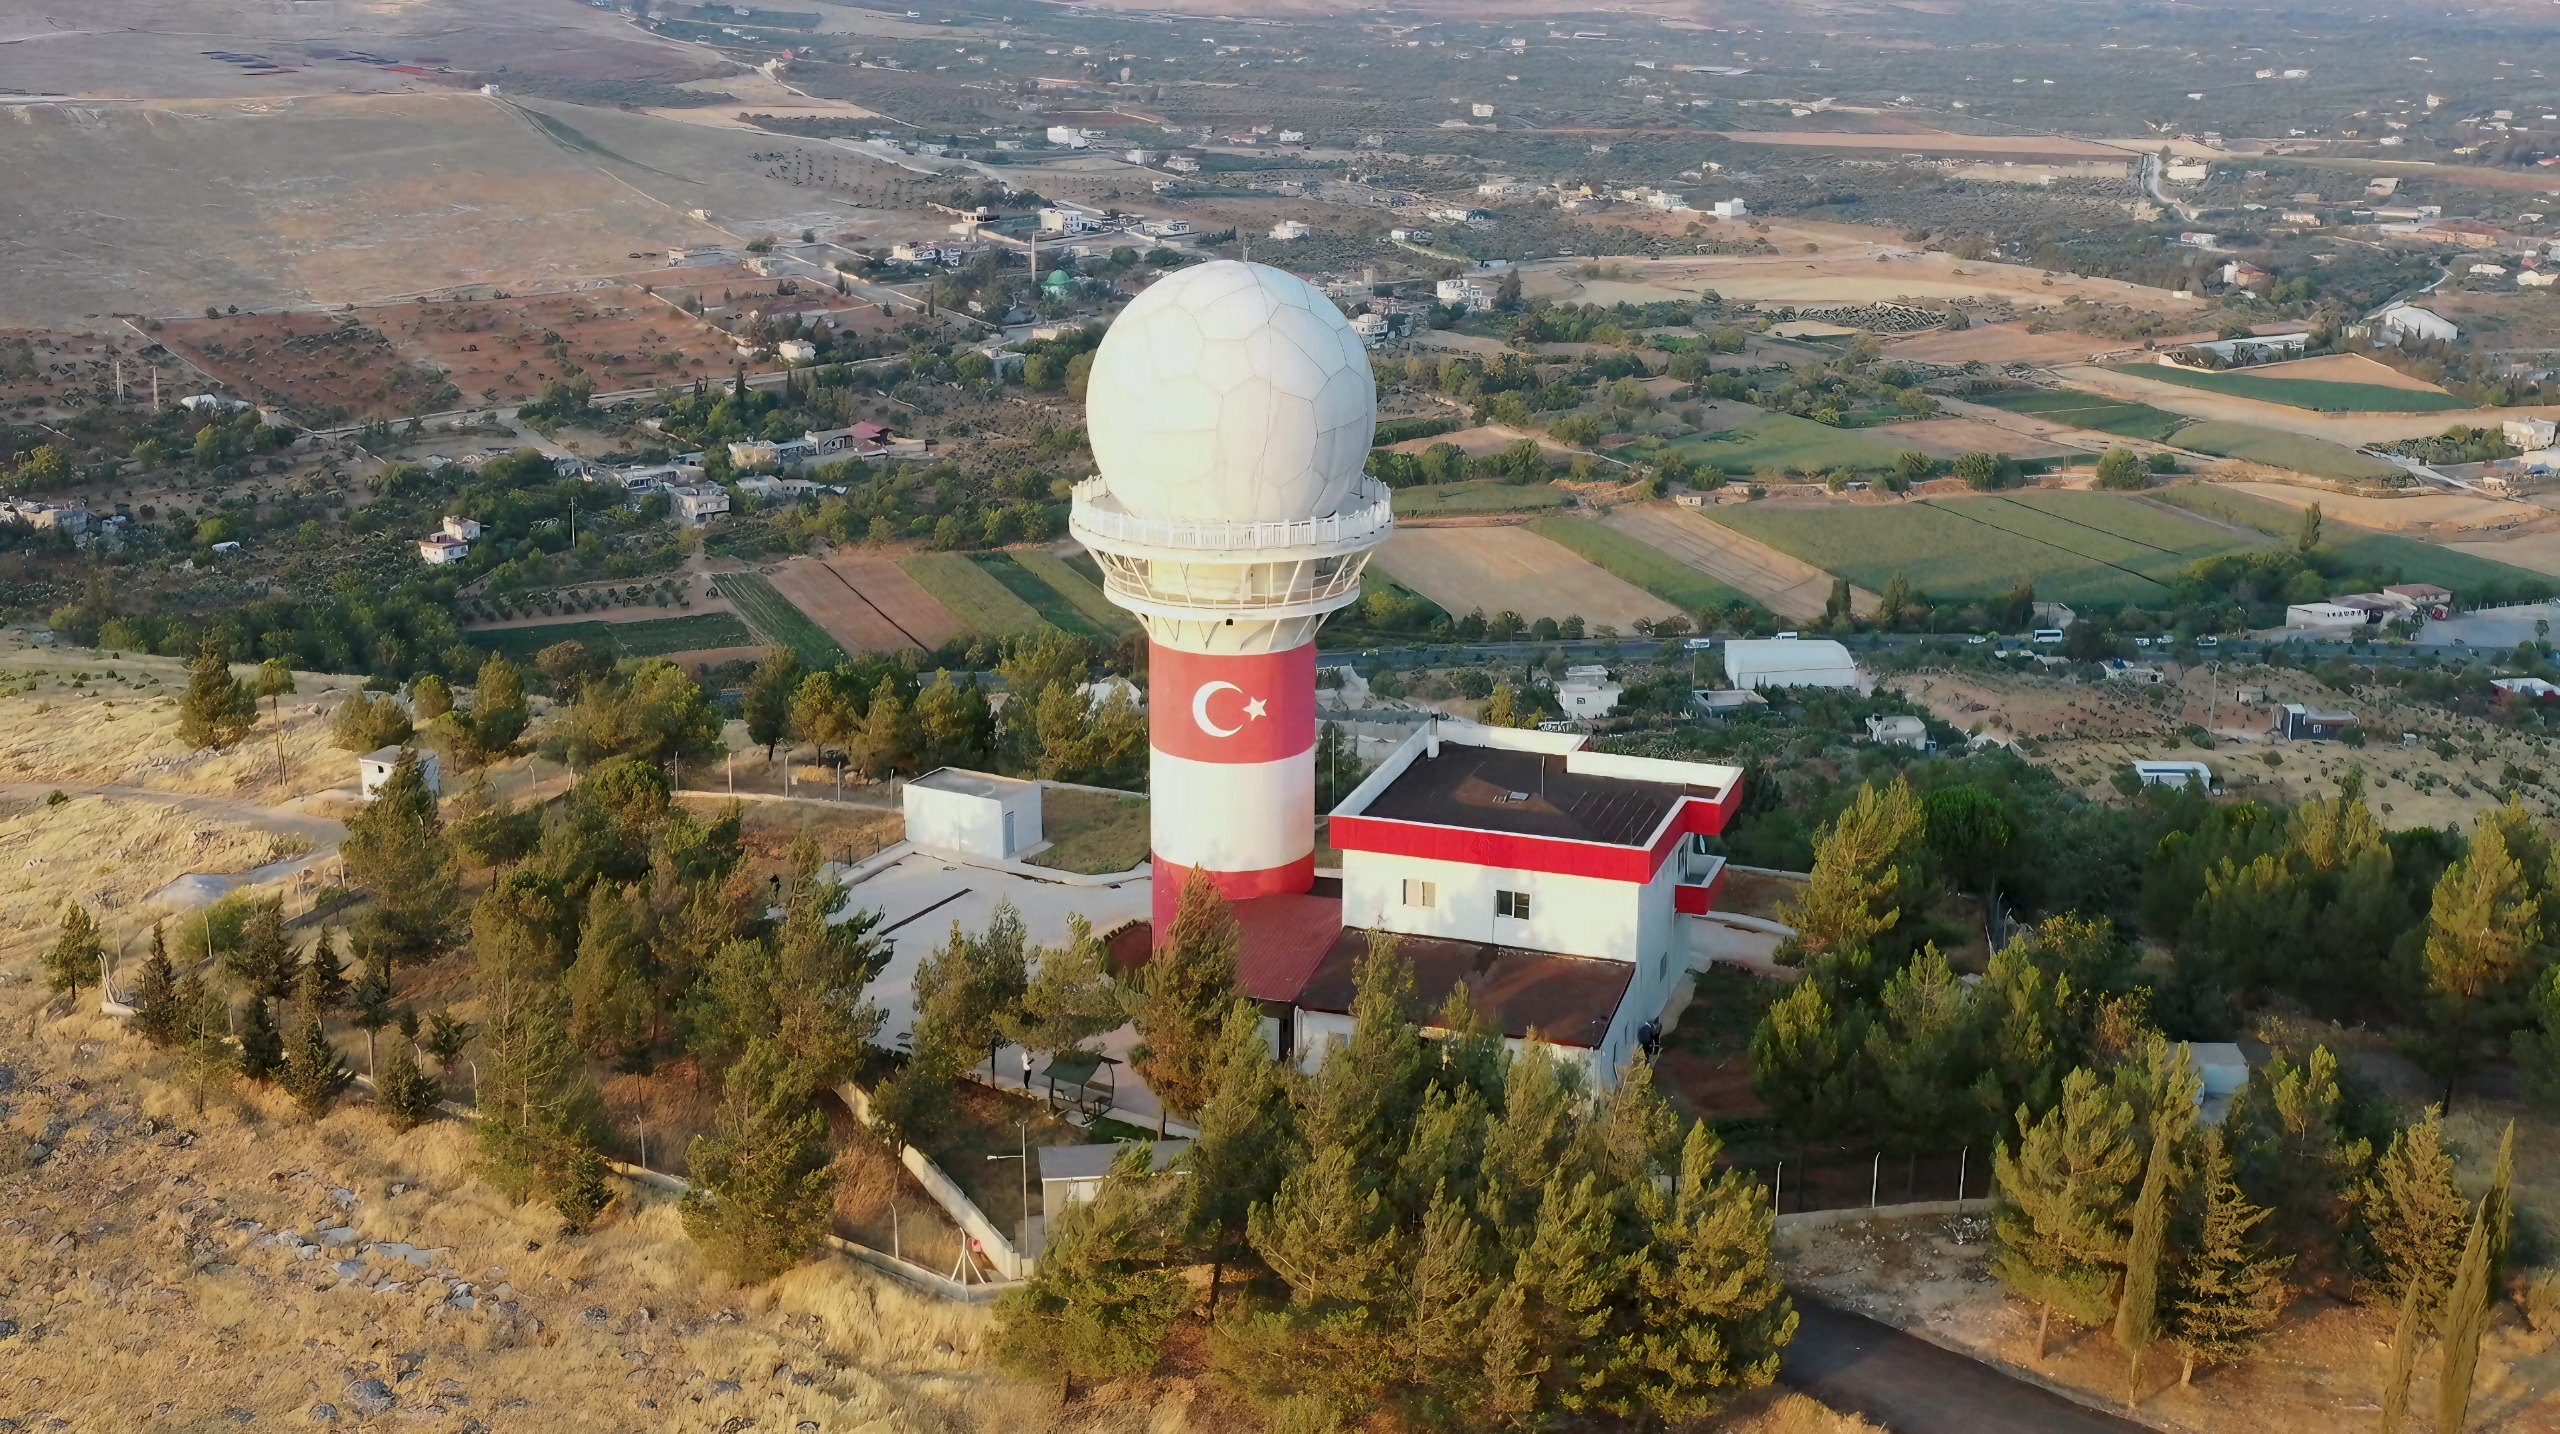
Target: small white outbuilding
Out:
[375,768]
[973,816]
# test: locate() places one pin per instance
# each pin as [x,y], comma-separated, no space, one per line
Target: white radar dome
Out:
[1231,392]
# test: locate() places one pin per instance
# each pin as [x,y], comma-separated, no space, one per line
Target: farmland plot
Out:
[1492,570]
[1784,584]
[968,593]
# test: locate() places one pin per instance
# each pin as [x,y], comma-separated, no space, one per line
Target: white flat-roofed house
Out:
[2174,774]
[1070,136]
[699,503]
[1899,731]
[2526,433]
[795,350]
[1288,229]
[1182,164]
[375,768]
[2297,722]
[1372,328]
[1467,294]
[979,816]
[467,529]
[1756,664]
[1059,220]
[913,252]
[443,549]
[1731,209]
[71,518]
[1555,883]
[752,455]
[1587,693]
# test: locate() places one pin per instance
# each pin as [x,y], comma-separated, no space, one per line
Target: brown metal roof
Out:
[1527,794]
[1567,1000]
[1285,936]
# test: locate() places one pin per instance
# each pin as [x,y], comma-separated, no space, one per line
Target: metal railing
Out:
[1373,515]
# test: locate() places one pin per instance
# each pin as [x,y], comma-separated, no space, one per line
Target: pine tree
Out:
[891,738]
[217,710]
[73,961]
[1243,1148]
[582,1191]
[262,960]
[2227,1292]
[315,1075]
[261,1044]
[2411,1215]
[1182,998]
[2475,1289]
[761,1192]
[2537,1044]
[2481,930]
[767,700]
[2293,1156]
[612,1012]
[207,1054]
[323,979]
[369,1002]
[159,1011]
[1453,1286]
[529,1082]
[1712,1312]
[396,848]
[404,1092]
[1100,1304]
[1859,873]
[446,1038]
[498,710]
[2058,1228]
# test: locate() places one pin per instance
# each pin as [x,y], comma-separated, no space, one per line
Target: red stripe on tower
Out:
[1255,707]
[1232,739]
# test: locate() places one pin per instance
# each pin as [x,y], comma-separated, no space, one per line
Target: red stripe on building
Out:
[1691,900]
[1513,852]
[1258,707]
[1294,877]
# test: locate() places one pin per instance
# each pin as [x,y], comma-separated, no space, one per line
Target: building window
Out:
[1513,904]
[1420,893]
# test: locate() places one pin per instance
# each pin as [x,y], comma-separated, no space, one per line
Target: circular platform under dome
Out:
[1231,392]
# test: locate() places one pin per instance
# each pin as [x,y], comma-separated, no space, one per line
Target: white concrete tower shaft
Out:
[1231,409]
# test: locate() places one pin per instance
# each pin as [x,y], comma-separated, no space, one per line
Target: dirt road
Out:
[1911,1386]
[324,833]
[1787,586]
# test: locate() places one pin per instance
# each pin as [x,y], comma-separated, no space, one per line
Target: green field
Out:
[973,596]
[2313,394]
[778,620]
[1068,581]
[1477,495]
[1640,563]
[2396,558]
[2089,411]
[654,637]
[2279,449]
[2097,548]
[1783,442]
[1043,599]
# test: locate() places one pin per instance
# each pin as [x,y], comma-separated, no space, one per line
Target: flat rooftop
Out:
[1527,794]
[1567,1000]
[975,784]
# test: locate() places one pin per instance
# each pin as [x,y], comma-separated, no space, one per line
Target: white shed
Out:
[1757,663]
[2174,774]
[973,816]
[375,767]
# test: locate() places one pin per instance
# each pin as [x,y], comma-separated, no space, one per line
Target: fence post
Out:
[1875,1177]
[1777,1190]
[1962,1157]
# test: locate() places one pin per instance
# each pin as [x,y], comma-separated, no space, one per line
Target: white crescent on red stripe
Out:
[1200,708]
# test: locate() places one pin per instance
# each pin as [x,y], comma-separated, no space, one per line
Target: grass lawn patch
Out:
[1786,443]
[652,638]
[2317,395]
[775,617]
[2279,449]
[1043,599]
[1069,582]
[977,599]
[1477,495]
[1648,567]
[2097,548]
[2090,411]
[1090,832]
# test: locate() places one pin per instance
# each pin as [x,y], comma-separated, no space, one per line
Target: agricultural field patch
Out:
[2317,395]
[865,605]
[1511,569]
[1639,562]
[1784,443]
[2015,342]
[775,617]
[1785,585]
[1043,599]
[46,372]
[502,350]
[656,637]
[2279,449]
[2103,552]
[982,604]
[321,368]
[2075,409]
[2464,567]
[2345,368]
[1477,495]
[1084,593]
[1955,437]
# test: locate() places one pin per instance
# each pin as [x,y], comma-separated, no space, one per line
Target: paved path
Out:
[324,833]
[1911,1386]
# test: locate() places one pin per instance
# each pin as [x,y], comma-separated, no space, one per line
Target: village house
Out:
[699,503]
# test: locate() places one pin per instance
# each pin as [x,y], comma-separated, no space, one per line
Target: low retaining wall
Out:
[946,1192]
[1824,1219]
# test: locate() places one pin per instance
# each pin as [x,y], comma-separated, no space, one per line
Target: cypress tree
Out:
[217,710]
[208,1036]
[582,1190]
[2475,1287]
[2062,1197]
[2411,1215]
[1183,995]
[323,980]
[2138,1303]
[2404,1359]
[406,1094]
[397,849]
[369,1002]
[1244,1147]
[261,1044]
[263,960]
[158,1011]
[760,1196]
[315,1075]
[72,962]
[2228,1291]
